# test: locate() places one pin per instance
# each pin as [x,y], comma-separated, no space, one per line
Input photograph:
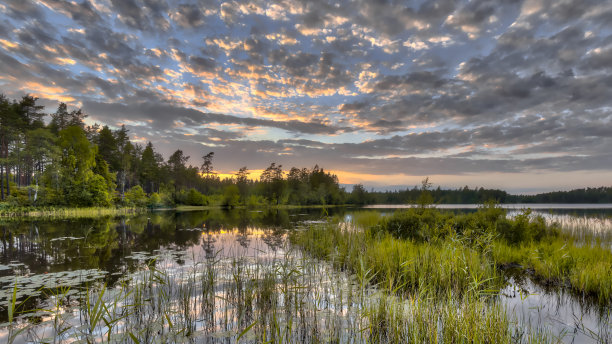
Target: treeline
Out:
[59,161]
[588,195]
[411,196]
[466,195]
[56,160]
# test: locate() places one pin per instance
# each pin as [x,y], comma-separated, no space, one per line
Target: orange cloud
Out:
[51,92]
[8,44]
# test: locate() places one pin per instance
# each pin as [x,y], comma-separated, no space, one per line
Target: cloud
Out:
[187,16]
[81,12]
[441,86]
[163,114]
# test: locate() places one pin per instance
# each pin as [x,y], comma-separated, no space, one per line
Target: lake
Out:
[38,255]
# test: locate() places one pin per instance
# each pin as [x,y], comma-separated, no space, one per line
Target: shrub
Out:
[194,197]
[136,196]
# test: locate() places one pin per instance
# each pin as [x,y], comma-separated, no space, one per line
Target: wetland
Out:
[348,275]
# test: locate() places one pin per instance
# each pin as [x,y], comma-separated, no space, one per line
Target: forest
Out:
[480,195]
[57,160]
[61,161]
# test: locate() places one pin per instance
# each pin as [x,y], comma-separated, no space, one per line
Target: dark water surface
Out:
[48,253]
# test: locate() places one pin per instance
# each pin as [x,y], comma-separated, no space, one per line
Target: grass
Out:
[584,268]
[285,297]
[450,249]
[405,265]
[420,276]
[59,213]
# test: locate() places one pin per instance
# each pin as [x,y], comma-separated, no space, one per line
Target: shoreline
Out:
[92,212]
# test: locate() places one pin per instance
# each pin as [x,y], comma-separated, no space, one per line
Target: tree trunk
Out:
[7,170]
[8,185]
[2,182]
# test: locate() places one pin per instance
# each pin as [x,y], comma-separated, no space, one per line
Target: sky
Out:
[505,94]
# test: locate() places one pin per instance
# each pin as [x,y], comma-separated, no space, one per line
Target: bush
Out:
[231,196]
[98,189]
[136,196]
[194,197]
[154,201]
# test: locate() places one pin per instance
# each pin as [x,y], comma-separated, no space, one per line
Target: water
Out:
[587,221]
[50,253]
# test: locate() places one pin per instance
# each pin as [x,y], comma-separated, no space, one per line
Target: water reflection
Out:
[120,246]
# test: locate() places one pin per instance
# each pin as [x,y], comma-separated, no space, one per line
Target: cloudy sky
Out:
[508,93]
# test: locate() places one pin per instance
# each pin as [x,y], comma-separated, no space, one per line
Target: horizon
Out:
[510,95]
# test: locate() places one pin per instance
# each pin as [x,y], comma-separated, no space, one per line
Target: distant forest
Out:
[56,160]
[466,195]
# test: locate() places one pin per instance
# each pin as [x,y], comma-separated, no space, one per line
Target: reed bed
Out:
[417,277]
[272,297]
[68,213]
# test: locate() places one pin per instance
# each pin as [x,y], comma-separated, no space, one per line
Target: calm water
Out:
[69,252]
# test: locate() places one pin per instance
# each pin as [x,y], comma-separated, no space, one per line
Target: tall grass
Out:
[440,268]
[279,298]
[560,262]
[416,277]
[52,212]
[451,249]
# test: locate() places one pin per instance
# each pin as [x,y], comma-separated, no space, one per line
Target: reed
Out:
[65,213]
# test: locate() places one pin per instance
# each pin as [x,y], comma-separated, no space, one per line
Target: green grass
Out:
[52,212]
[586,268]
[421,276]
[450,249]
[447,266]
[290,299]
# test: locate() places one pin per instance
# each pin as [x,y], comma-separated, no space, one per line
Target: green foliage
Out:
[231,196]
[136,197]
[192,197]
[438,268]
[98,189]
[359,195]
[154,201]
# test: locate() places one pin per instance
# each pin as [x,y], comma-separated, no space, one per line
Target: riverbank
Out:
[43,212]
[92,212]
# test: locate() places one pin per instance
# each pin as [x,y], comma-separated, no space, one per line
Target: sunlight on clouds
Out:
[308,31]
[365,83]
[65,61]
[226,44]
[8,44]
[276,12]
[79,31]
[172,73]
[49,92]
[415,44]
[282,38]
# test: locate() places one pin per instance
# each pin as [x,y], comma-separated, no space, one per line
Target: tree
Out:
[359,195]
[207,171]
[207,166]
[42,149]
[108,149]
[136,196]
[125,150]
[8,118]
[242,181]
[78,184]
[63,119]
[231,196]
[425,198]
[150,169]
[273,183]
